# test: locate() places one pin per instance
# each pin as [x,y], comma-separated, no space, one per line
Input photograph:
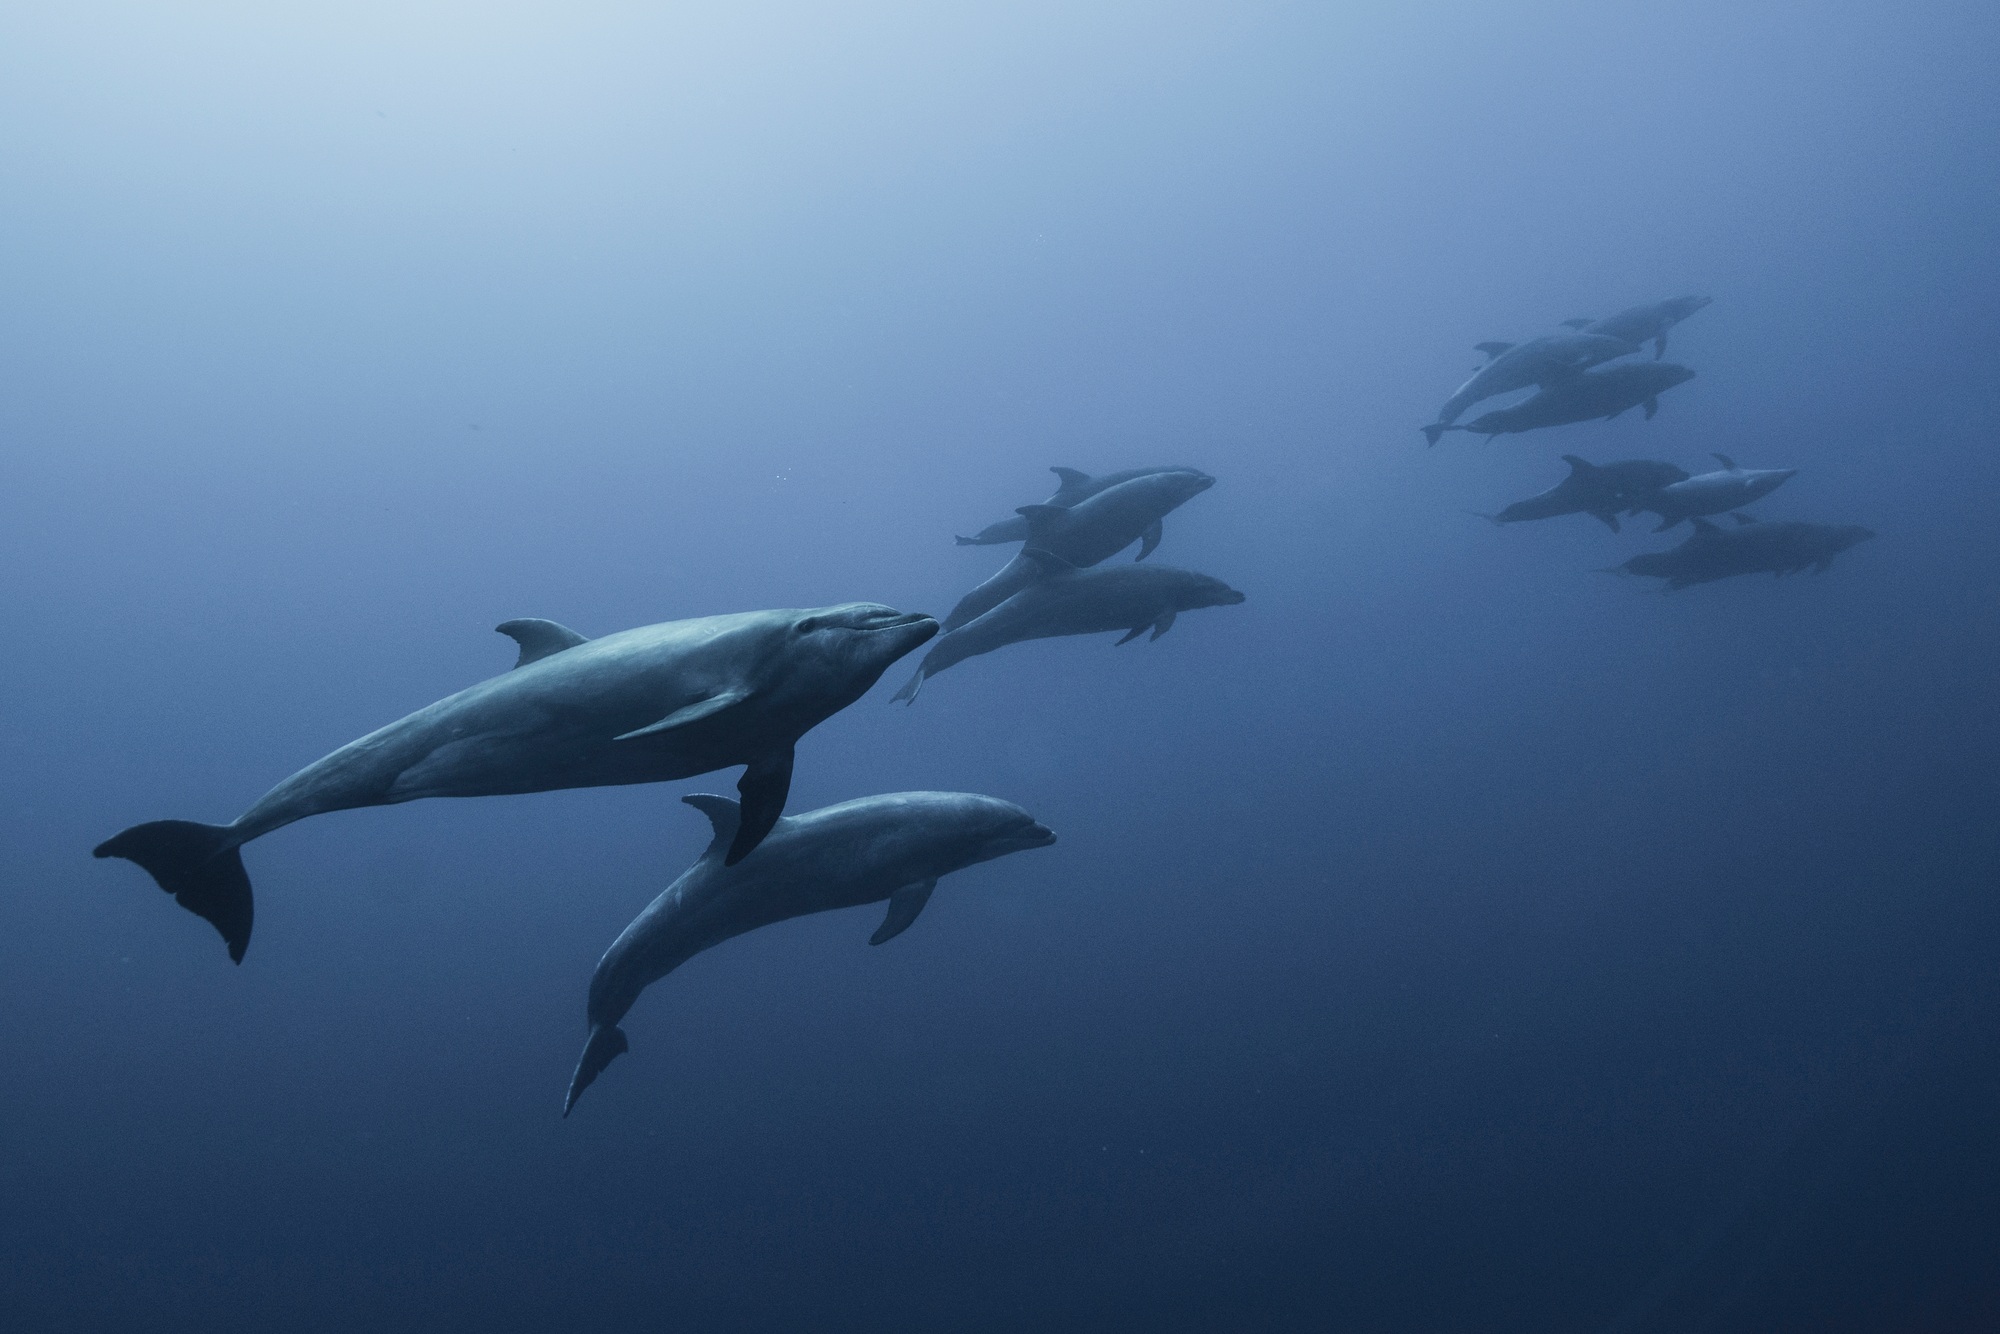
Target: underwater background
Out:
[1450,937]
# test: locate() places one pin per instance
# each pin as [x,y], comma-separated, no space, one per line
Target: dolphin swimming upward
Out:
[890,847]
[1519,365]
[640,706]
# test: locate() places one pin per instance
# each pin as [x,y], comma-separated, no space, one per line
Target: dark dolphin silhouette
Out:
[1519,365]
[1584,396]
[1713,492]
[1751,547]
[1599,490]
[1640,324]
[1075,488]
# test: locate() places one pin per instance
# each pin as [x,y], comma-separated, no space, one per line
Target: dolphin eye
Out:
[806,625]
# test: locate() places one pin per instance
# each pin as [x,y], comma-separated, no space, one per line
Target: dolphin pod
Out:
[640,706]
[893,847]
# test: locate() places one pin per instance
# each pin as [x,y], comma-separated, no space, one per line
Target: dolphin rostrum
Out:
[1519,365]
[640,706]
[890,847]
[1751,547]
[1599,490]
[1078,602]
[1641,324]
[1713,492]
[1075,488]
[1584,396]
[1085,534]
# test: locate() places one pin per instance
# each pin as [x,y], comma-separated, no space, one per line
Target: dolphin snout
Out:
[1038,835]
[1231,598]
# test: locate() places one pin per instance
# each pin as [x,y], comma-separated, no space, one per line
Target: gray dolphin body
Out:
[1085,534]
[1599,490]
[1075,488]
[890,847]
[1640,324]
[1584,396]
[640,706]
[1078,602]
[1519,365]
[1713,553]
[1713,492]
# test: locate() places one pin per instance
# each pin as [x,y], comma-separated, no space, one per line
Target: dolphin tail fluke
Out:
[908,694]
[1434,431]
[605,1045]
[200,865]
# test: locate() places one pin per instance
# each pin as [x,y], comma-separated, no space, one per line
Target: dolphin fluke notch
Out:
[201,865]
[605,1045]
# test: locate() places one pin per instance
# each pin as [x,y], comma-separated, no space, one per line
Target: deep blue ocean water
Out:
[1449,938]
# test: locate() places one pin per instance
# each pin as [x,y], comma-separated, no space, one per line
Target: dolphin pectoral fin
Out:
[1659,347]
[1652,406]
[908,694]
[1607,518]
[1132,634]
[904,905]
[1150,539]
[1164,624]
[1705,528]
[1742,520]
[691,713]
[605,1045]
[1492,350]
[1665,523]
[1575,324]
[764,786]
[539,638]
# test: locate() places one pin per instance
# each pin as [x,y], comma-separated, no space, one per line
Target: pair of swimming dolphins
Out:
[1637,486]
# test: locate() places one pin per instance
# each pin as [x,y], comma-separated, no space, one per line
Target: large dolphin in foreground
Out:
[1749,548]
[890,847]
[1640,324]
[1519,365]
[1599,490]
[1712,492]
[1075,488]
[1131,598]
[640,706]
[1085,534]
[1584,396]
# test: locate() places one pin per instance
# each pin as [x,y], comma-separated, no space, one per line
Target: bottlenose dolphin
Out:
[1086,533]
[640,706]
[1584,396]
[1518,365]
[1076,487]
[1749,548]
[890,847]
[1642,323]
[1078,602]
[1713,492]
[1599,490]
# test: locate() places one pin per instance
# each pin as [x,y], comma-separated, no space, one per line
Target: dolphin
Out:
[1519,365]
[1091,531]
[1713,492]
[1752,547]
[1078,602]
[1075,488]
[640,706]
[1600,491]
[1584,396]
[1642,324]
[890,847]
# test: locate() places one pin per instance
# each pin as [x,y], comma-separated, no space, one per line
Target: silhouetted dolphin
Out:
[1518,365]
[1713,492]
[1084,534]
[1750,548]
[1642,323]
[1584,396]
[1078,602]
[1600,491]
[640,706]
[1076,487]
[890,847]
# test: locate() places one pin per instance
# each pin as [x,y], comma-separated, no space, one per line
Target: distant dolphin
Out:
[1713,492]
[1519,365]
[1078,602]
[890,847]
[1750,548]
[1086,533]
[1640,324]
[1600,491]
[1584,396]
[1076,487]
[640,706]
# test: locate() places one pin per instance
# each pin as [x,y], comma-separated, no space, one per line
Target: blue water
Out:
[1450,937]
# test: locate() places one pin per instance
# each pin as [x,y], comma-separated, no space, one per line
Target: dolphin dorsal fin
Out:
[722,812]
[539,638]
[1071,476]
[1577,324]
[1725,461]
[1492,350]
[1703,528]
[1577,465]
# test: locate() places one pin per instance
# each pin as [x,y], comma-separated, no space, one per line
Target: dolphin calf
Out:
[1599,490]
[1751,547]
[1076,487]
[1584,396]
[1641,324]
[1519,365]
[1078,602]
[890,847]
[1713,492]
[1085,534]
[640,706]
